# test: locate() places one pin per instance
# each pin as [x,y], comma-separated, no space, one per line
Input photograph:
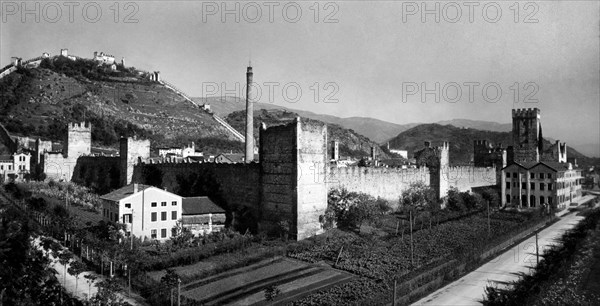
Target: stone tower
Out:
[249,157]
[131,149]
[79,140]
[526,135]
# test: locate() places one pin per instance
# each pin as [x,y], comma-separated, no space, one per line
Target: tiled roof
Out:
[550,164]
[200,206]
[123,192]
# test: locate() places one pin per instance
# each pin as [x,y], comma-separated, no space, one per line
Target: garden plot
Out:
[290,276]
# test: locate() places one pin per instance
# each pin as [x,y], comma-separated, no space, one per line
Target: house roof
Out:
[6,157]
[556,166]
[200,206]
[234,158]
[121,193]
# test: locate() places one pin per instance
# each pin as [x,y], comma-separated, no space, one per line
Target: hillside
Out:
[377,130]
[351,144]
[461,142]
[40,101]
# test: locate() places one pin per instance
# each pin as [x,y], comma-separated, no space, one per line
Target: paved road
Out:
[79,288]
[469,289]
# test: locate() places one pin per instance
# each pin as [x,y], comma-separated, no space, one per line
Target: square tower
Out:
[526,135]
[79,140]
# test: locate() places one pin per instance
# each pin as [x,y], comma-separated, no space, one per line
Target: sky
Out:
[398,61]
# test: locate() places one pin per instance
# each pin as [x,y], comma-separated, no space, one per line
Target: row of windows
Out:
[154,204]
[531,186]
[531,175]
[163,233]
[111,216]
[163,216]
[532,199]
[2,167]
[21,158]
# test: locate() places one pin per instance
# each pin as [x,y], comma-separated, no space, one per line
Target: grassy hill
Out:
[461,142]
[351,144]
[40,101]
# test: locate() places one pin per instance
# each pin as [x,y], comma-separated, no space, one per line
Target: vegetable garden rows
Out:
[379,260]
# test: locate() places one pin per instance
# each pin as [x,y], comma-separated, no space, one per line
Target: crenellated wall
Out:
[465,178]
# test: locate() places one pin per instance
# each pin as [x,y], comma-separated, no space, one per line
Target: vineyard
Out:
[378,261]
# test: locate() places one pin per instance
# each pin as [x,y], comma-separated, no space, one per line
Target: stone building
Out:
[147,212]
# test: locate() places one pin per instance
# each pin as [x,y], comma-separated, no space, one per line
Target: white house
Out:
[148,212]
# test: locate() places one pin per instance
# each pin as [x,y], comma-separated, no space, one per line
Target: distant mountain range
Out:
[382,131]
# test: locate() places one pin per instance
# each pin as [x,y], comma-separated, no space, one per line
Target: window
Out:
[174,215]
[532,201]
[542,200]
[2,167]
[127,205]
[163,233]
[127,218]
[515,175]
[532,175]
[549,175]
[549,200]
[163,203]
[153,217]
[523,185]
[508,198]
[507,185]
[163,216]
[153,234]
[514,184]
[153,204]
[174,203]
[532,186]
[542,186]
[549,186]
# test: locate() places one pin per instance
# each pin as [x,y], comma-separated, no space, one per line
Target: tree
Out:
[170,280]
[271,292]
[455,200]
[108,293]
[418,198]
[76,268]
[90,278]
[63,258]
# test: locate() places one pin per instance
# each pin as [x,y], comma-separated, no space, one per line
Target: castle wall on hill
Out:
[7,140]
[58,167]
[387,183]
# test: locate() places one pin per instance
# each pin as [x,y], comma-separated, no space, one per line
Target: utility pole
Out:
[412,259]
[488,217]
[178,291]
[394,294]
[537,252]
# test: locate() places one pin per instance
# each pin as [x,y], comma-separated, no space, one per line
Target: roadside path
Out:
[469,289]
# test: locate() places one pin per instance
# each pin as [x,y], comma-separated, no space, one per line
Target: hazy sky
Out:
[374,57]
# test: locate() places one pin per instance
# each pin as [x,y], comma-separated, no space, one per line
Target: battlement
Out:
[526,113]
[80,126]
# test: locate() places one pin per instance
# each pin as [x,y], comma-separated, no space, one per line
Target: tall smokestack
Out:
[249,117]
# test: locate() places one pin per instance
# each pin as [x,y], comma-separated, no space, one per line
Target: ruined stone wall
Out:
[58,167]
[466,178]
[311,188]
[387,183]
[279,173]
[7,140]
[235,187]
[131,151]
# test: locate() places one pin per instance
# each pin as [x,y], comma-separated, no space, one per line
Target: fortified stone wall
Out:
[466,178]
[102,173]
[279,174]
[387,183]
[58,167]
[7,140]
[234,186]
